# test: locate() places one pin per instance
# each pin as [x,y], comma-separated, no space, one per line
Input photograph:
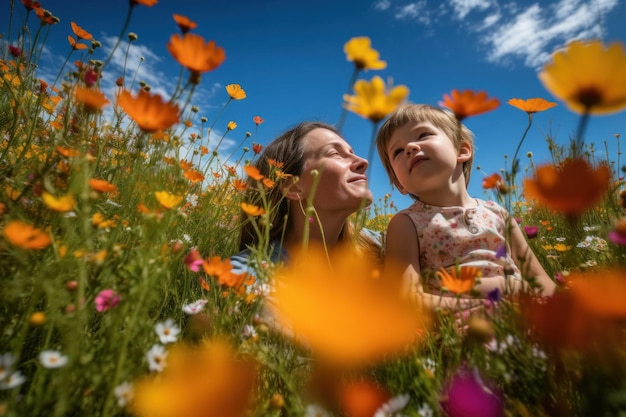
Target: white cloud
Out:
[414,11]
[463,7]
[382,5]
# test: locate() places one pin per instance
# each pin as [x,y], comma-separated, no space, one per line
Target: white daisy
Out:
[52,359]
[425,411]
[249,331]
[168,331]
[124,393]
[13,380]
[391,407]
[157,357]
[195,307]
[6,362]
[315,410]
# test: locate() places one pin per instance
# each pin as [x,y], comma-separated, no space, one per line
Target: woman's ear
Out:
[465,152]
[291,190]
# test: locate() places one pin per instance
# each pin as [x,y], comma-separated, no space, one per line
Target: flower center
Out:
[589,97]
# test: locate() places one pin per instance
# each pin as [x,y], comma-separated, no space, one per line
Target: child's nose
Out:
[411,148]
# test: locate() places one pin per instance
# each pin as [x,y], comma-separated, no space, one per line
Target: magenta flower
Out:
[618,234]
[193,260]
[107,299]
[531,231]
[468,396]
[15,51]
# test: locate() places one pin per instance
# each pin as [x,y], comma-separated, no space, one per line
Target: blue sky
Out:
[288,56]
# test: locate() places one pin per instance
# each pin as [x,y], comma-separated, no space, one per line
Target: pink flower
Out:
[90,77]
[15,51]
[106,299]
[468,395]
[193,260]
[618,234]
[531,231]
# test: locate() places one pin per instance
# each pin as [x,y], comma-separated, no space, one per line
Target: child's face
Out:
[425,159]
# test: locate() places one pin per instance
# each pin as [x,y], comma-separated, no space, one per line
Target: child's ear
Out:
[465,152]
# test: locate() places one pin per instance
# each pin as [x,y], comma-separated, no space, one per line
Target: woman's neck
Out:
[325,230]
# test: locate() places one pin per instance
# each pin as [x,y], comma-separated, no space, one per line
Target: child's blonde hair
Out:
[440,118]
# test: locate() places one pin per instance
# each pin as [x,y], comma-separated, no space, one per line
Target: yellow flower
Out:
[348,313]
[360,51]
[588,77]
[561,247]
[62,204]
[167,200]
[374,100]
[252,210]
[231,125]
[235,91]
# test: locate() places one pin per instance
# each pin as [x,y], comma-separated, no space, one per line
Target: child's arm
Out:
[527,262]
[402,260]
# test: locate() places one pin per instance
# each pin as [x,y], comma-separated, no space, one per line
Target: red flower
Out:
[257,147]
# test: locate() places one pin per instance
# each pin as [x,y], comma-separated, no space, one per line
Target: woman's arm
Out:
[527,262]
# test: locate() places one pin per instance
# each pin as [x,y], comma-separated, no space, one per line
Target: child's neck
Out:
[449,198]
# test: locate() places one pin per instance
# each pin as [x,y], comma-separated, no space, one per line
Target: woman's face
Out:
[342,184]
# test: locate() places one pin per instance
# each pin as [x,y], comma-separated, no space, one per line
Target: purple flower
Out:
[15,51]
[494,295]
[467,395]
[531,231]
[106,299]
[501,252]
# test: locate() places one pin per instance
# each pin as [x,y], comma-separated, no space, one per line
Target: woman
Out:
[321,184]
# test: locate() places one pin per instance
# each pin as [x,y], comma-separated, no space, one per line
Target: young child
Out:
[428,154]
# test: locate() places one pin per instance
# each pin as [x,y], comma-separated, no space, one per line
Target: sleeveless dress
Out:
[465,236]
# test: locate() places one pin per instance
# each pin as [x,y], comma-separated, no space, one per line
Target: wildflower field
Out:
[117,296]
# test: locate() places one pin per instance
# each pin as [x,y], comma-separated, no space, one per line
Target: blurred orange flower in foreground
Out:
[150,112]
[209,380]
[588,76]
[347,314]
[25,236]
[589,314]
[459,280]
[571,188]
[91,98]
[532,105]
[193,53]
[468,103]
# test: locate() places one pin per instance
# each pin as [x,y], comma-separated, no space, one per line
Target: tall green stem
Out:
[344,111]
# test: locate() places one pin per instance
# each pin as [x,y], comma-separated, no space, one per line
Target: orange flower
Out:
[231,125]
[45,16]
[268,183]
[459,280]
[90,98]
[222,270]
[167,200]
[30,4]
[571,188]
[193,53]
[257,120]
[252,210]
[75,45]
[193,175]
[25,236]
[61,204]
[257,148]
[235,91]
[362,398]
[364,315]
[184,23]
[468,103]
[208,380]
[67,152]
[239,185]
[231,170]
[532,105]
[80,32]
[150,113]
[253,172]
[274,163]
[492,181]
[102,186]
[147,3]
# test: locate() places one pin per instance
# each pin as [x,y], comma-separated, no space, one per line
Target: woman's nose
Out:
[360,164]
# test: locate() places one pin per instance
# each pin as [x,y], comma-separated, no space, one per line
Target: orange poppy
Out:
[80,32]
[45,16]
[253,172]
[193,53]
[184,23]
[468,103]
[75,45]
[150,112]
[147,3]
[30,4]
[222,270]
[239,185]
[362,398]
[26,236]
[459,280]
[102,186]
[492,181]
[90,98]
[532,105]
[257,120]
[571,188]
[268,183]
[252,210]
[185,165]
[274,163]
[235,91]
[231,170]
[193,175]
[364,315]
[67,152]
